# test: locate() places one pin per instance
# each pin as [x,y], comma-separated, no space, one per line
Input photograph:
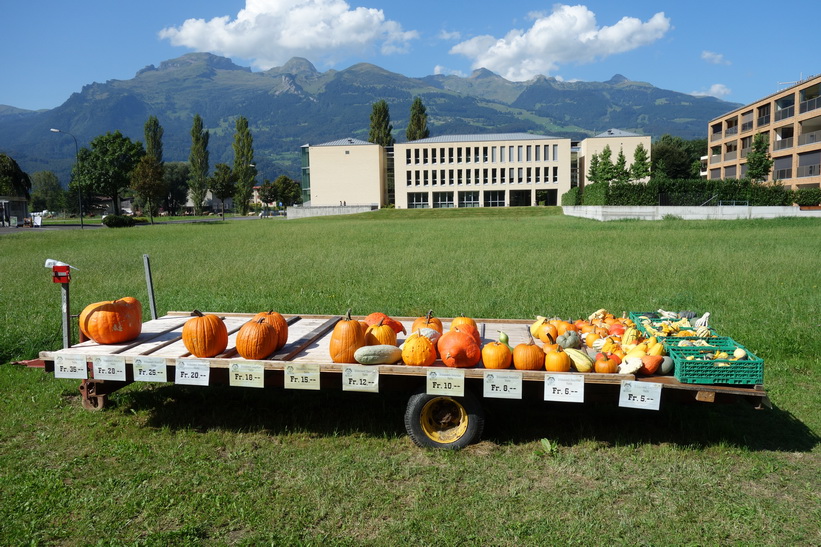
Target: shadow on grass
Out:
[330,413]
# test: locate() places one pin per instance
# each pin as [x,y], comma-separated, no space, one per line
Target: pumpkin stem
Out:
[196,313]
[348,315]
[428,316]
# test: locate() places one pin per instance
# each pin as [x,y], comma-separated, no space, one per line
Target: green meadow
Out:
[186,465]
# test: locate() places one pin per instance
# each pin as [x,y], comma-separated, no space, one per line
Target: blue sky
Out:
[739,52]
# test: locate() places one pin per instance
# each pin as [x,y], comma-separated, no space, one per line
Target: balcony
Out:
[811,104]
[745,151]
[781,174]
[809,170]
[763,120]
[715,159]
[746,126]
[809,138]
[731,131]
[783,143]
[785,113]
[715,137]
[731,155]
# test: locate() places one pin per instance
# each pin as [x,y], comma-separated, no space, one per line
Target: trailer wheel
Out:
[436,421]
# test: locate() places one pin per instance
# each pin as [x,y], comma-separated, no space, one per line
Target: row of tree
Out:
[381,129]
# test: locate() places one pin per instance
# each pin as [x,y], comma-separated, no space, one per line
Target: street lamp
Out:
[76,160]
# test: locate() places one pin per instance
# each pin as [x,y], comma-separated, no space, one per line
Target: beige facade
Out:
[347,171]
[618,141]
[494,170]
[791,119]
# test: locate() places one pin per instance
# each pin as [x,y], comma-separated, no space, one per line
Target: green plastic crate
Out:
[750,371]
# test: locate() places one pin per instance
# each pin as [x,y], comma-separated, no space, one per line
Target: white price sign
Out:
[503,384]
[643,395]
[150,369]
[302,376]
[564,388]
[446,382]
[108,367]
[246,375]
[70,366]
[359,378]
[192,372]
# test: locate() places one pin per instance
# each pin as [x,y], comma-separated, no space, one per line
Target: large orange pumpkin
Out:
[279,322]
[204,335]
[257,339]
[347,337]
[557,361]
[528,356]
[459,350]
[428,322]
[496,355]
[113,321]
[470,330]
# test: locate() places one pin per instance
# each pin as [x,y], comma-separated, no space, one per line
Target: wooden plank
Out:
[305,342]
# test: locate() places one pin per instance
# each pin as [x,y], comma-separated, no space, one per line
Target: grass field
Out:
[179,465]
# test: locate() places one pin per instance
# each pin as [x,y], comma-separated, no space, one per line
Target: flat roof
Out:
[345,142]
[483,138]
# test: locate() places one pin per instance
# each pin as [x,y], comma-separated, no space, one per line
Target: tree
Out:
[176,178]
[759,162]
[288,191]
[640,168]
[620,171]
[223,184]
[244,170]
[268,194]
[153,138]
[381,128]
[198,158]
[106,167]
[418,123]
[13,180]
[593,170]
[46,192]
[148,183]
[606,167]
[672,158]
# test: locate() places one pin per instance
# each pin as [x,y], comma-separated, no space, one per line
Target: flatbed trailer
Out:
[444,409]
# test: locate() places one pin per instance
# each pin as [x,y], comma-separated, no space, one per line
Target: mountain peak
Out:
[617,79]
[480,73]
[298,66]
[208,59]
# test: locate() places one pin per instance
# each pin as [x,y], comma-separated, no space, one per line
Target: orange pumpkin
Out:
[428,322]
[376,317]
[204,335]
[418,351]
[557,361]
[257,339]
[459,350]
[528,356]
[547,332]
[462,320]
[347,337]
[279,322]
[470,330]
[496,355]
[650,364]
[380,334]
[606,364]
[112,322]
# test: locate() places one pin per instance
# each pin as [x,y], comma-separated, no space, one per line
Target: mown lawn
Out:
[183,465]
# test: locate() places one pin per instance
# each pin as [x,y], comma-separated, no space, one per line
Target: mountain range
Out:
[295,104]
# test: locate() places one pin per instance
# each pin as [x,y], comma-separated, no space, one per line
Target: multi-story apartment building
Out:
[791,119]
[618,141]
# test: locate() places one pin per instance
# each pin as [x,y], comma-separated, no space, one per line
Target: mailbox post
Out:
[62,275]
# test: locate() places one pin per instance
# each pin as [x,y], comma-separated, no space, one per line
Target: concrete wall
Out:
[612,212]
[307,212]
[348,174]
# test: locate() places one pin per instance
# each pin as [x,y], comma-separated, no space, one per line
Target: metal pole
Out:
[150,284]
[66,317]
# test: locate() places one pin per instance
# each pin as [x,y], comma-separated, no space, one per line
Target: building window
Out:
[519,174]
[442,200]
[493,176]
[511,176]
[484,154]
[510,155]
[408,156]
[450,178]
[529,175]
[417,200]
[410,178]
[417,178]
[450,155]
[528,153]
[459,154]
[467,176]
[433,177]
[476,155]
[555,174]
[493,154]
[495,198]
[538,173]
[425,177]
[502,172]
[468,199]
[538,149]
[555,152]
[458,176]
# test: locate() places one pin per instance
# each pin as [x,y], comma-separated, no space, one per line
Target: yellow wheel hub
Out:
[444,420]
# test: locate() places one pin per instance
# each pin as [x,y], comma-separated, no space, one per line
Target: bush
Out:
[595,194]
[807,196]
[572,197]
[118,221]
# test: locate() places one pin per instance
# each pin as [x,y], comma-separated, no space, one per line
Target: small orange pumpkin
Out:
[428,322]
[496,355]
[347,337]
[380,334]
[528,356]
[204,335]
[557,361]
[257,339]
[547,332]
[279,322]
[606,364]
[113,321]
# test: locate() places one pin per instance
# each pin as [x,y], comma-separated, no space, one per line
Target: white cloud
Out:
[716,90]
[714,58]
[449,35]
[269,32]
[569,34]
[439,69]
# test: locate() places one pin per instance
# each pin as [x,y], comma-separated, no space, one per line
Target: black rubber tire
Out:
[437,421]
